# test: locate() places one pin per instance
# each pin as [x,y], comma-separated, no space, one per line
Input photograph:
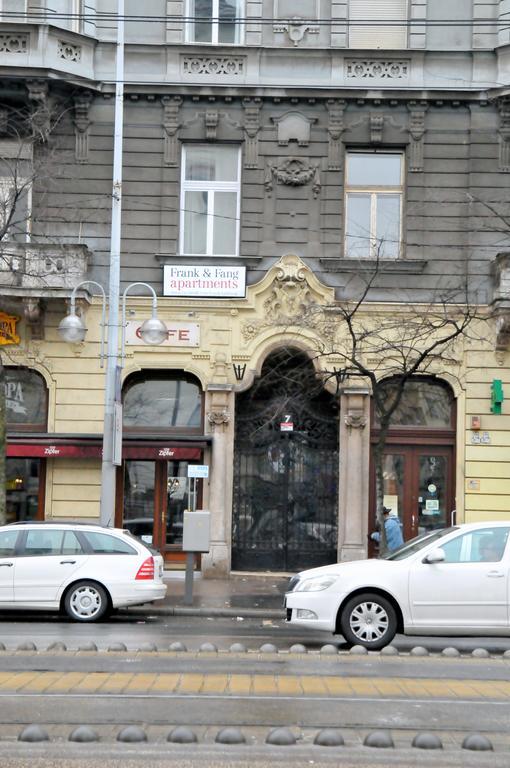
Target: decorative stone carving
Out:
[294,126]
[14,42]
[377,69]
[212,119]
[38,94]
[218,418]
[293,172]
[296,28]
[81,125]
[213,66]
[376,128]
[355,420]
[336,127]
[68,51]
[252,109]
[171,125]
[503,330]
[33,312]
[504,135]
[416,131]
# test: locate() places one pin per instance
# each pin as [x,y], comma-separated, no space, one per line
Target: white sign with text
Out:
[210,282]
[179,334]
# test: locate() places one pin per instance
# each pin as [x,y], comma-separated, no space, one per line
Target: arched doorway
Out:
[285,469]
[419,458]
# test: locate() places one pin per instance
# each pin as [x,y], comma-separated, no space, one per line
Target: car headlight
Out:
[316,584]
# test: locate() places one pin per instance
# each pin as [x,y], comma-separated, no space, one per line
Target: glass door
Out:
[155,495]
[139,498]
[418,488]
[176,501]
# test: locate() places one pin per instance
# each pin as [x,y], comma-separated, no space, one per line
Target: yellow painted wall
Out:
[487,467]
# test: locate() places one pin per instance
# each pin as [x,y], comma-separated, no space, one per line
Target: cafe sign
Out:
[8,333]
[204,282]
[178,335]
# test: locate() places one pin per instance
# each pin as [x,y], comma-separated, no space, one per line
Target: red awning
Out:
[93,449]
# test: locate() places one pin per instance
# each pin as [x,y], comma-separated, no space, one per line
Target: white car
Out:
[84,570]
[453,581]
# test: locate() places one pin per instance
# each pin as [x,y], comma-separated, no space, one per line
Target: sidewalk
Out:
[246,595]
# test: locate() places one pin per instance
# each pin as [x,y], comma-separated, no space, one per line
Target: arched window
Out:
[26,400]
[162,400]
[426,402]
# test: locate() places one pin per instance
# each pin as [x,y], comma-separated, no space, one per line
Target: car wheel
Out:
[368,620]
[86,601]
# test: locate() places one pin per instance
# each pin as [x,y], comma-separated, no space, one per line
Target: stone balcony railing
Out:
[41,270]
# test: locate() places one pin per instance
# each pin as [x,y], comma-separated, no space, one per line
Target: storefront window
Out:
[25,400]
[162,401]
[22,489]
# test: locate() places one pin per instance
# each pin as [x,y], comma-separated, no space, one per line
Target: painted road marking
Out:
[239,685]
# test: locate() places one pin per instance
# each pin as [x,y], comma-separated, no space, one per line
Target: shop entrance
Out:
[155,497]
[418,487]
[285,470]
[419,459]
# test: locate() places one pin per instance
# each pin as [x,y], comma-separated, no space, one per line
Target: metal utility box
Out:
[196,533]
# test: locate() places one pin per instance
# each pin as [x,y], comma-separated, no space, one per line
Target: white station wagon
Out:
[84,570]
[453,581]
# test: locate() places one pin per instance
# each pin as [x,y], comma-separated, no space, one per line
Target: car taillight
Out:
[146,570]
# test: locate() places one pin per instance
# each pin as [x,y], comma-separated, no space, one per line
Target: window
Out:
[425,403]
[373,204]
[210,200]
[8,543]
[104,544]
[215,21]
[162,401]
[484,545]
[26,400]
[366,29]
[13,6]
[15,209]
[45,542]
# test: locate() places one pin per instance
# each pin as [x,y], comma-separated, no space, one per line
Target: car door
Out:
[8,559]
[48,559]
[465,591]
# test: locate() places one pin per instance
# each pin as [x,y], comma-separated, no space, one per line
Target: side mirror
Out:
[435,556]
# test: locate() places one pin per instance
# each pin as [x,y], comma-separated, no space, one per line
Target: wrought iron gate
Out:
[285,482]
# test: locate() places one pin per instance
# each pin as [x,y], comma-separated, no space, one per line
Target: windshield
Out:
[414,545]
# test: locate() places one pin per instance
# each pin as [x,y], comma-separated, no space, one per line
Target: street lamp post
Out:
[152,331]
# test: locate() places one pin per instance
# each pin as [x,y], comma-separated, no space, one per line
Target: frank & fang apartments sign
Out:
[204,282]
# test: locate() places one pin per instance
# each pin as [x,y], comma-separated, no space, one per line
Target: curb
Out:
[183,610]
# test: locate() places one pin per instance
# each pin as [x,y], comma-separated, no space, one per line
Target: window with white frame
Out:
[373,204]
[367,27]
[215,21]
[15,209]
[210,200]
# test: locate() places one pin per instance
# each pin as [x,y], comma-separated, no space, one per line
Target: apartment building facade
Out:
[275,160]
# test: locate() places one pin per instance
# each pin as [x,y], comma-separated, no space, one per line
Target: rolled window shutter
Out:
[377,34]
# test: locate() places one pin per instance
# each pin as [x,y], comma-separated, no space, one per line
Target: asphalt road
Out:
[253,692]
[136,629]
